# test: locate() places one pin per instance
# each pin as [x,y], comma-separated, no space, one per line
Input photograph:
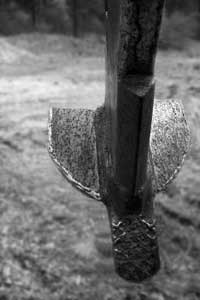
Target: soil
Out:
[55,242]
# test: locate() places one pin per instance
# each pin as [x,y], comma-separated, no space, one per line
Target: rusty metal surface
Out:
[135,246]
[132,28]
[169,141]
[139,30]
[72,145]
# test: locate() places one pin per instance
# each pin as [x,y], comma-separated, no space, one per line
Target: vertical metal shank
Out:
[132,35]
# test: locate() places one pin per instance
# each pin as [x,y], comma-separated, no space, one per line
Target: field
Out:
[54,242]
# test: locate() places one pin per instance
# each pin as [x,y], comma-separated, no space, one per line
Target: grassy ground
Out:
[55,243]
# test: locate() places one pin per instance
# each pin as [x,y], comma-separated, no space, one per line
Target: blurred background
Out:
[54,242]
[78,18]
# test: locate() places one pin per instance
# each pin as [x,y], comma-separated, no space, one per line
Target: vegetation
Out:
[77,17]
[178,29]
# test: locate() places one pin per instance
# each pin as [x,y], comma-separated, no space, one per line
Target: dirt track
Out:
[54,242]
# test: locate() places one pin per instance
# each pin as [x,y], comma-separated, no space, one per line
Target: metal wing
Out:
[72,145]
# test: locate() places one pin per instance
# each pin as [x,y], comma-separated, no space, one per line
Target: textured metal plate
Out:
[72,145]
[169,141]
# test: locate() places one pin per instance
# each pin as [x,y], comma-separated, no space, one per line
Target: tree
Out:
[83,14]
[183,6]
[75,17]
[33,7]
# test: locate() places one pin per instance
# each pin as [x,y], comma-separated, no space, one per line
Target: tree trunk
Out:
[36,7]
[75,17]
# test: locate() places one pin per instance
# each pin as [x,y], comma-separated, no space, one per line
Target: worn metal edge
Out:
[174,175]
[187,150]
[86,190]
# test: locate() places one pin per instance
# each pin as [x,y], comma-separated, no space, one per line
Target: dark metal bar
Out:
[132,36]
